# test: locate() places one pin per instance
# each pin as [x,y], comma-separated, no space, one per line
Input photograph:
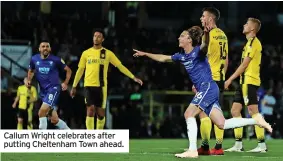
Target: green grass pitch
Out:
[157,150]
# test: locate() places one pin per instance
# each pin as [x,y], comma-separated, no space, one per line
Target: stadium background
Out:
[155,109]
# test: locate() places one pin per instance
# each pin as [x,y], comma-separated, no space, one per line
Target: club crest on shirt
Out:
[50,63]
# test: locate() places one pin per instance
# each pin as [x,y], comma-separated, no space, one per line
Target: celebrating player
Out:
[26,96]
[218,60]
[206,99]
[94,61]
[246,94]
[46,68]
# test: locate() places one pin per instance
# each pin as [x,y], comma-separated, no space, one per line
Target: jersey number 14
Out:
[223,51]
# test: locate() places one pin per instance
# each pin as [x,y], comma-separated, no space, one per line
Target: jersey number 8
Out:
[50,97]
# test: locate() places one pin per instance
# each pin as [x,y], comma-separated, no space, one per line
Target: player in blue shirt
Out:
[46,68]
[206,99]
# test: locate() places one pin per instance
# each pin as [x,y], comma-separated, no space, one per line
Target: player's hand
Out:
[139,81]
[139,53]
[194,89]
[64,86]
[14,105]
[207,28]
[73,92]
[227,84]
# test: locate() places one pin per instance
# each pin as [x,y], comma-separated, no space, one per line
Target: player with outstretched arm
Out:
[206,99]
[94,63]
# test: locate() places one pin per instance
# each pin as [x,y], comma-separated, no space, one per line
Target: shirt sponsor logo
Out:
[95,61]
[189,64]
[43,70]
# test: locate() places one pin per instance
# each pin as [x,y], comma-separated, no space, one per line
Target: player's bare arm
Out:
[68,76]
[15,102]
[226,64]
[239,71]
[205,42]
[33,96]
[156,57]
[30,76]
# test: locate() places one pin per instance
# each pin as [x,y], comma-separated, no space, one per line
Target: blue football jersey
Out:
[47,71]
[196,65]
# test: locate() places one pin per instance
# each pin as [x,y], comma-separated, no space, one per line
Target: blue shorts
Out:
[51,96]
[207,97]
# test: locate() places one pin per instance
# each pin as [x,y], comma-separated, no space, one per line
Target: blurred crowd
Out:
[70,34]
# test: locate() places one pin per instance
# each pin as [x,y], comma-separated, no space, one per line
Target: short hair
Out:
[98,30]
[213,11]
[44,41]
[195,33]
[256,22]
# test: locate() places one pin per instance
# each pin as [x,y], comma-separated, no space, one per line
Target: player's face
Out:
[26,81]
[248,27]
[184,39]
[205,18]
[44,48]
[98,38]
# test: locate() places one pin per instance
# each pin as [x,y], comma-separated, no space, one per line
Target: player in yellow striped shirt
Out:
[246,94]
[26,96]
[217,55]
[94,62]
